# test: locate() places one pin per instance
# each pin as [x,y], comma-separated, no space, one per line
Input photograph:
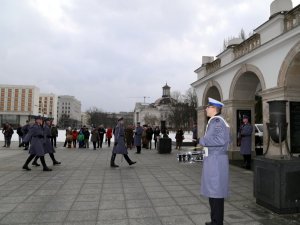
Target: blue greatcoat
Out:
[36,138]
[120,147]
[246,139]
[138,136]
[215,172]
[48,145]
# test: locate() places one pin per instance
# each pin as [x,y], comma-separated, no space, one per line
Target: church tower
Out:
[166,91]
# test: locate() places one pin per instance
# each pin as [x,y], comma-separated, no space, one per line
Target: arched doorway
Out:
[246,99]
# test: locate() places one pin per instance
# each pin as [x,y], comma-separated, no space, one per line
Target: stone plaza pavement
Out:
[85,190]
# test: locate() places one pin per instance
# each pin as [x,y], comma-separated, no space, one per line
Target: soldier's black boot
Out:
[25,166]
[45,167]
[34,163]
[126,157]
[112,160]
[55,162]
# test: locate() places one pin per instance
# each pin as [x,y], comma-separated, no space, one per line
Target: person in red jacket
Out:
[108,135]
[74,135]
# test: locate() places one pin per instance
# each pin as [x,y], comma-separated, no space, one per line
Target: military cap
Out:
[214,102]
[121,118]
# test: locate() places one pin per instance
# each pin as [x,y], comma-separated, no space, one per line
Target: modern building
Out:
[155,112]
[18,103]
[69,108]
[48,106]
[250,73]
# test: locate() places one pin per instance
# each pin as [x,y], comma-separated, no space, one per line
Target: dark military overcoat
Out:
[246,139]
[47,135]
[36,138]
[138,136]
[119,147]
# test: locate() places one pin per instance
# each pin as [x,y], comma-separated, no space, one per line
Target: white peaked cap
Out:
[215,102]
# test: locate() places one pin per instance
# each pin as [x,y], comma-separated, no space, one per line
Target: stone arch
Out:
[288,65]
[213,89]
[250,70]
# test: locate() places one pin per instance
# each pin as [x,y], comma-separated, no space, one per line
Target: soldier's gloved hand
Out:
[116,143]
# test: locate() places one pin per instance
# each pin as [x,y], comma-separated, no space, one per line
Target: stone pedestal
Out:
[164,145]
[277,183]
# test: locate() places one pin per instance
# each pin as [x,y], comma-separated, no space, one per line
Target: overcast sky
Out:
[111,53]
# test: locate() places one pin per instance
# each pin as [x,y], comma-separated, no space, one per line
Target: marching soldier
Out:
[119,146]
[48,147]
[215,172]
[36,136]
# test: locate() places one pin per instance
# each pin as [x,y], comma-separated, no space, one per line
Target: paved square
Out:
[85,190]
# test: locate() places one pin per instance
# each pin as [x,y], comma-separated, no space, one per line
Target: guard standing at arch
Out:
[215,172]
[119,145]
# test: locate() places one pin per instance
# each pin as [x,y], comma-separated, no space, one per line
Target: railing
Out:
[247,46]
[292,19]
[213,66]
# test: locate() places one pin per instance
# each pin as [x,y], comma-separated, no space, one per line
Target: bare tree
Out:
[151,119]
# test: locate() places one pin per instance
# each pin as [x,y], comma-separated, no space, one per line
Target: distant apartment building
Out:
[18,103]
[68,111]
[48,106]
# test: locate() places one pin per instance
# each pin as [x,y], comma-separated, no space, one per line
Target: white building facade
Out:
[68,106]
[262,68]
[48,106]
[18,103]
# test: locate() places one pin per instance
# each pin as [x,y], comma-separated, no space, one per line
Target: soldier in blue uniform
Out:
[215,172]
[36,136]
[245,133]
[138,138]
[119,146]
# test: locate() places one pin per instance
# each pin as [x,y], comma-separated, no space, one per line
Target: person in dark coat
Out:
[54,135]
[129,136]
[20,134]
[156,133]
[195,135]
[138,138]
[8,135]
[179,138]
[245,133]
[86,134]
[4,128]
[36,136]
[101,131]
[215,172]
[149,134]
[119,145]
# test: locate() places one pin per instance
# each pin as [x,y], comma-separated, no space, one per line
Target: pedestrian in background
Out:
[138,138]
[20,134]
[108,136]
[156,133]
[86,134]
[215,172]
[8,133]
[74,137]
[54,135]
[129,136]
[149,134]
[195,135]
[95,137]
[101,131]
[179,138]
